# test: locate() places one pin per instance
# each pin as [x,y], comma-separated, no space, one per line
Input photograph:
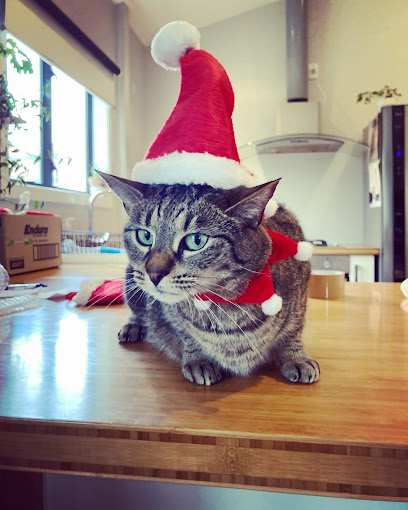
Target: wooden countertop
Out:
[345,250]
[73,400]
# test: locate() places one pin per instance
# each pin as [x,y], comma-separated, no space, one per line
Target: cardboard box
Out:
[30,242]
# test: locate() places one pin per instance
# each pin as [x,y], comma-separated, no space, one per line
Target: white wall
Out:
[136,143]
[323,190]
[359,46]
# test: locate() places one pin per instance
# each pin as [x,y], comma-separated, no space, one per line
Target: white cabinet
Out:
[359,268]
[362,268]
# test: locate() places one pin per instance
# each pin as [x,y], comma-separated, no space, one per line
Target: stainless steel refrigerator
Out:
[386,185]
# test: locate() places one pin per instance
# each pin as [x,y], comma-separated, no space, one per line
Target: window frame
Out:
[47,166]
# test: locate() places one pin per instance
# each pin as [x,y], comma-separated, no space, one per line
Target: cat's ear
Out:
[251,203]
[130,192]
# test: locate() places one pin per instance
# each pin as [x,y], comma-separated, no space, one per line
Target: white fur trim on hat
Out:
[200,304]
[272,305]
[195,168]
[271,208]
[85,291]
[172,41]
[305,251]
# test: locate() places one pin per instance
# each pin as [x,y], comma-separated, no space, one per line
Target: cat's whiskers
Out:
[206,313]
[93,303]
[227,335]
[193,312]
[135,291]
[220,325]
[249,270]
[253,347]
[254,320]
[86,305]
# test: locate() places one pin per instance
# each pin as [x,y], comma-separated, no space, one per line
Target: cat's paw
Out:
[301,371]
[202,372]
[130,333]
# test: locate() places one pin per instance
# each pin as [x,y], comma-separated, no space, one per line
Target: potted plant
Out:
[383,97]
[9,116]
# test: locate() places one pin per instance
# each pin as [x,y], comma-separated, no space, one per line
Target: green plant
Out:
[385,92]
[10,162]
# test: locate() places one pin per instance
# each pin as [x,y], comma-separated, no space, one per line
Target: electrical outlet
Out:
[313,71]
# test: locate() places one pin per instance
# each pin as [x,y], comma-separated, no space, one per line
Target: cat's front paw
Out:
[301,371]
[202,372]
[130,333]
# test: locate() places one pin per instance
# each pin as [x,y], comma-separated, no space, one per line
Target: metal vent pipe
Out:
[296,50]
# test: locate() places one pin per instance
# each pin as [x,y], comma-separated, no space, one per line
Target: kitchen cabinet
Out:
[359,264]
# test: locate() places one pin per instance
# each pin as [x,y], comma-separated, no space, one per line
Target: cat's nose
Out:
[159,264]
[156,277]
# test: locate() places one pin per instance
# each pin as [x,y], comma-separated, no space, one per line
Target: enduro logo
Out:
[37,230]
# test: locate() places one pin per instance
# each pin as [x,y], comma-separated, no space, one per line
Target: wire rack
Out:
[91,242]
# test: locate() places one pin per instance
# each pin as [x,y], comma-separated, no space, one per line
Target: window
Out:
[71,139]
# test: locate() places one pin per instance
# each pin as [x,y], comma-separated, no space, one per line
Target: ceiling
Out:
[148,16]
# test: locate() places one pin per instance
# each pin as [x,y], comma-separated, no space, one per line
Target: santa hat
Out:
[98,292]
[196,145]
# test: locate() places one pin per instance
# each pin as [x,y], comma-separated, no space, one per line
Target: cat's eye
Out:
[194,242]
[144,237]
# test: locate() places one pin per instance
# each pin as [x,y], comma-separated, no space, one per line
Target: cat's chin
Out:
[167,297]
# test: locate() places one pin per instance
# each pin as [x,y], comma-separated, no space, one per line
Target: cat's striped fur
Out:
[226,338]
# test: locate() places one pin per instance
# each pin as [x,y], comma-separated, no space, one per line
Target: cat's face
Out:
[187,240]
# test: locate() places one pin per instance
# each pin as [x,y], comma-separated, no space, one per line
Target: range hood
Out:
[297,123]
[298,143]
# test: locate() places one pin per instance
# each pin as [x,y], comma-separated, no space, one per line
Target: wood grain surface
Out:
[344,250]
[73,400]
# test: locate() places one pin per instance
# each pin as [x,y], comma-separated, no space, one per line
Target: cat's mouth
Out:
[163,293]
[165,296]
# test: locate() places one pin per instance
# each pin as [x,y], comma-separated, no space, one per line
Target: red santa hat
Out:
[196,145]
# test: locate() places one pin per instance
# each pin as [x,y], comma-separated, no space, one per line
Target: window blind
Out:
[60,49]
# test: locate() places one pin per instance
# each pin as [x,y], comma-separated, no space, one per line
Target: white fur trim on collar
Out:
[195,168]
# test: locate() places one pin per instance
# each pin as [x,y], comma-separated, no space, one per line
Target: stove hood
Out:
[298,120]
[298,143]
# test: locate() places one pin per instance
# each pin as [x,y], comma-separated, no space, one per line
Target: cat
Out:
[182,240]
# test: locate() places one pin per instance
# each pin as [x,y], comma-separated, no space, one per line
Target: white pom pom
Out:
[200,304]
[305,251]
[272,306]
[404,287]
[172,41]
[271,208]
[85,291]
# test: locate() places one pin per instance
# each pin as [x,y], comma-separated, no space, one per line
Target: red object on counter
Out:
[41,213]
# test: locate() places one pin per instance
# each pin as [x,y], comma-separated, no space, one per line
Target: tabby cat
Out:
[185,240]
